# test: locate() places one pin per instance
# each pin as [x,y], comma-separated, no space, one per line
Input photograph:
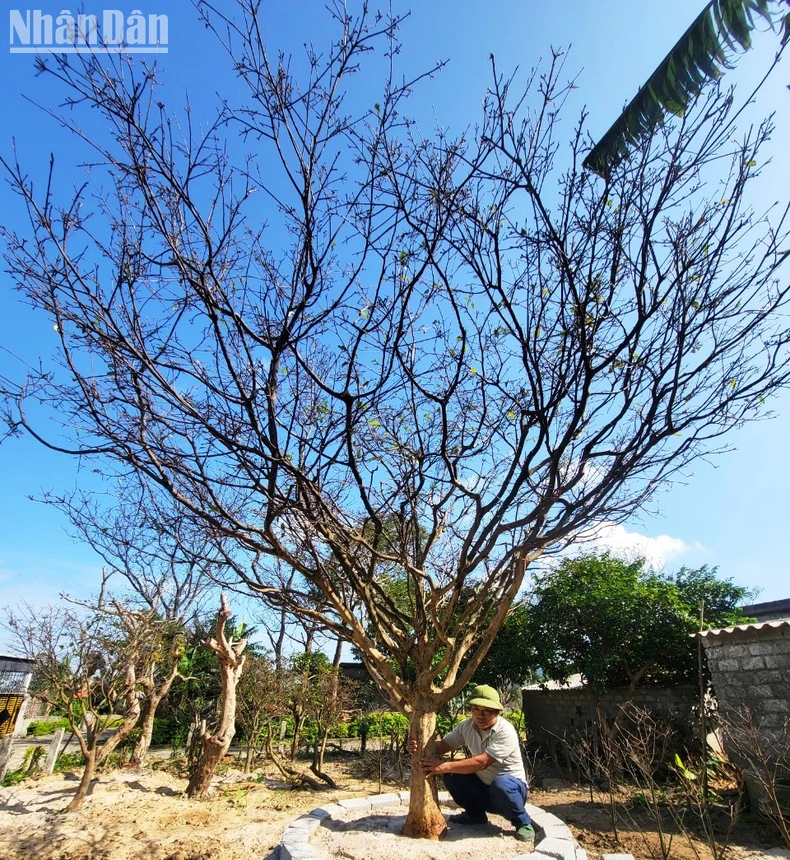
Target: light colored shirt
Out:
[500,742]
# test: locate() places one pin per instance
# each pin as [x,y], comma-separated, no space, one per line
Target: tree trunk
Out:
[248,759]
[289,773]
[153,701]
[213,747]
[212,751]
[254,732]
[319,750]
[85,782]
[298,722]
[146,733]
[425,820]
[109,746]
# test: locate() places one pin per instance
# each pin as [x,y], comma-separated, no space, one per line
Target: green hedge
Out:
[39,728]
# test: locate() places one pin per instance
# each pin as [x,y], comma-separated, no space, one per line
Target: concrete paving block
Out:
[296,835]
[404,796]
[385,799]
[559,849]
[356,803]
[542,819]
[319,814]
[310,822]
[331,810]
[558,831]
[295,852]
[617,857]
[534,855]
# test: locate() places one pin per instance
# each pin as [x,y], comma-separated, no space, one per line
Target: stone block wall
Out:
[750,671]
[553,714]
[750,667]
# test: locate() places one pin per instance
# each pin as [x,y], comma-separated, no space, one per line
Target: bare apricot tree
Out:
[402,364]
[88,661]
[166,567]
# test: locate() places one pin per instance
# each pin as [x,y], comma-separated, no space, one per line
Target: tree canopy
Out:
[618,623]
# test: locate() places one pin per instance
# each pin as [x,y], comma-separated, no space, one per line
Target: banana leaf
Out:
[702,53]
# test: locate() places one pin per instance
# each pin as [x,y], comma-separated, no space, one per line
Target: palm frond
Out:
[701,54]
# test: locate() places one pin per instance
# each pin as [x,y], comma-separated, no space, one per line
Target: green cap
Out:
[485,697]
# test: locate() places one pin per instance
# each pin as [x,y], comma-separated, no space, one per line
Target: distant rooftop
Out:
[772,610]
[773,624]
[18,664]
[15,674]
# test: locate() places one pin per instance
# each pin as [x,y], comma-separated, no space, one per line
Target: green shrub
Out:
[339,730]
[379,724]
[30,764]
[167,730]
[13,777]
[69,761]
[517,719]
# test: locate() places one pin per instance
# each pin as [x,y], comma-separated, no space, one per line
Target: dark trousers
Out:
[505,796]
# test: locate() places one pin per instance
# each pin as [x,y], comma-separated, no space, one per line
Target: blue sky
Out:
[730,513]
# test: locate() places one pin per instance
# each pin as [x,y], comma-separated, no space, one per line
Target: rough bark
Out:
[214,746]
[425,820]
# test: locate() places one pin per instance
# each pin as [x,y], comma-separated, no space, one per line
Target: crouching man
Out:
[492,778]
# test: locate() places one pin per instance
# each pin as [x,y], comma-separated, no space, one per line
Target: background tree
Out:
[619,624]
[166,568]
[467,338]
[324,699]
[259,691]
[511,661]
[145,542]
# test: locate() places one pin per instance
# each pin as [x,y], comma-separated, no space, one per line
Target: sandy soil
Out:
[131,815]
[354,834]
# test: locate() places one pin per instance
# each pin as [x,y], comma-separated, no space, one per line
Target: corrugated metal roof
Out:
[574,682]
[781,622]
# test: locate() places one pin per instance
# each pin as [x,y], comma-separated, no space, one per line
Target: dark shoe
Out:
[468,818]
[526,834]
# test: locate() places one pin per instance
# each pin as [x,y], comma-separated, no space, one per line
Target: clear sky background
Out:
[731,512]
